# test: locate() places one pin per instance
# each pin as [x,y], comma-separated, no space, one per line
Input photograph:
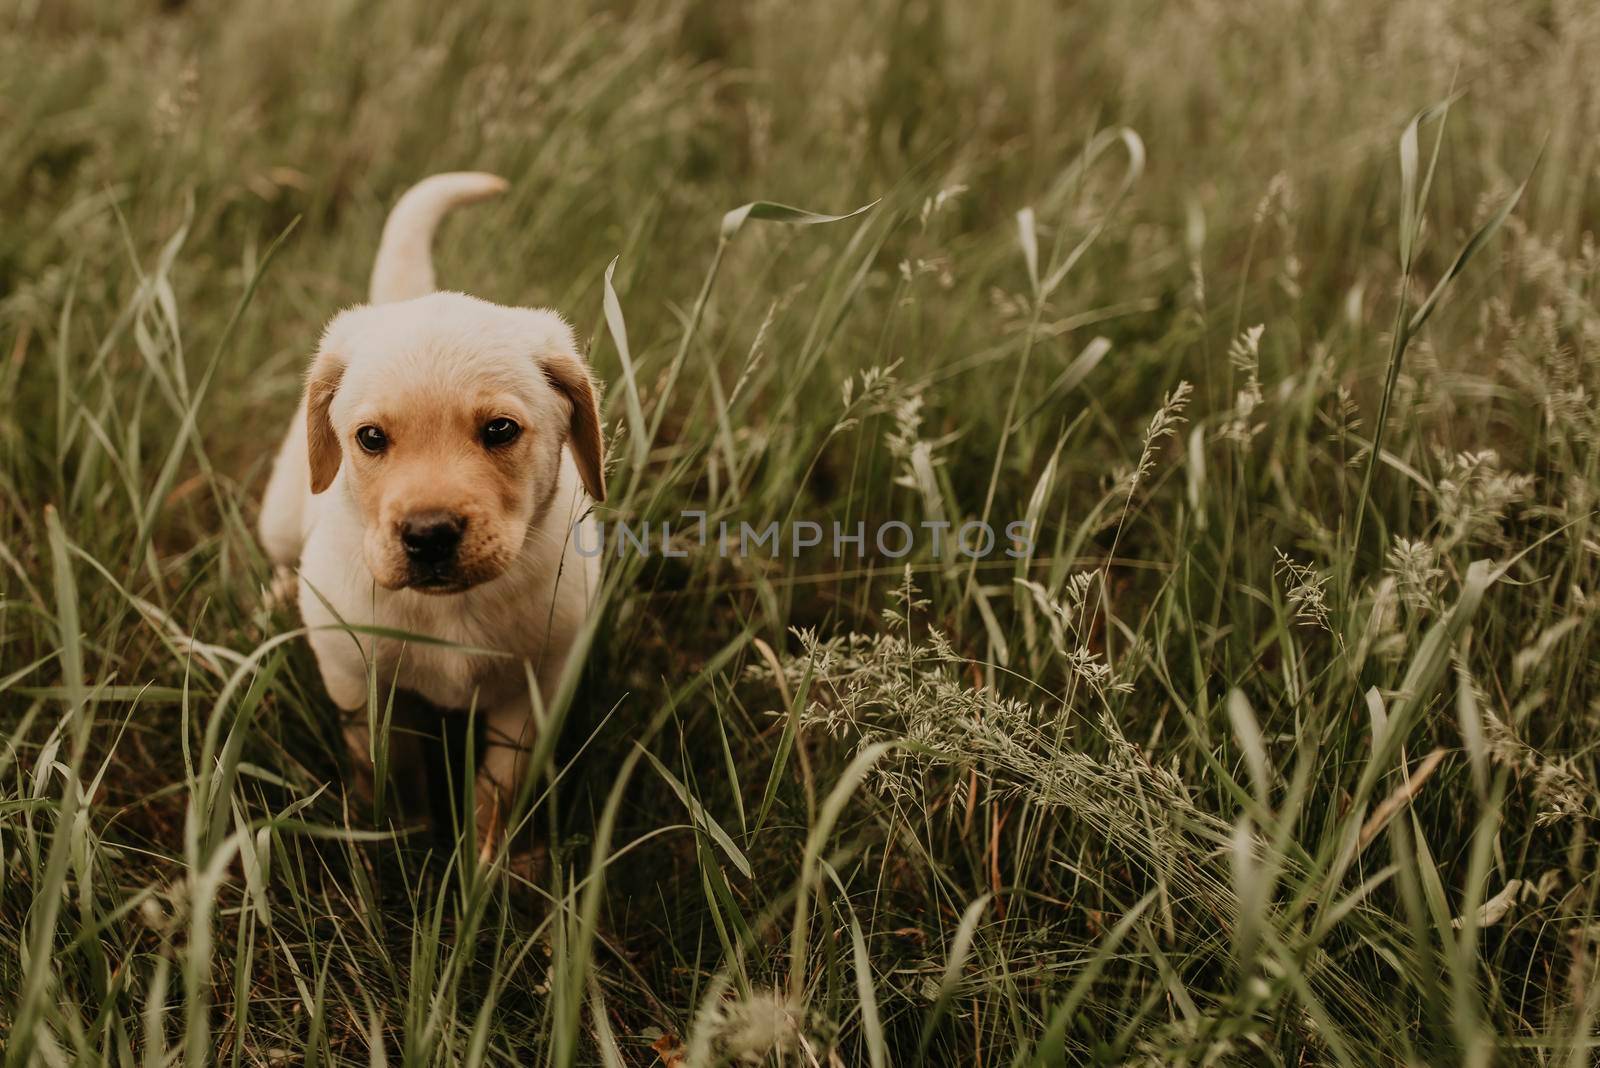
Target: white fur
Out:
[532,612]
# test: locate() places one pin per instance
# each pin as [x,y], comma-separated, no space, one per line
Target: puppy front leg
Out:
[403,790]
[350,696]
[507,746]
[341,659]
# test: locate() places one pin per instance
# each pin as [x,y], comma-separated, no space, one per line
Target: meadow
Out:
[1275,323]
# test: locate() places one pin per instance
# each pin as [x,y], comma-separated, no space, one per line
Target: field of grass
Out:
[1278,322]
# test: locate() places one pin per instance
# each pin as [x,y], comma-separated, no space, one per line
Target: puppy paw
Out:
[522,856]
[490,825]
[527,865]
[360,783]
[283,592]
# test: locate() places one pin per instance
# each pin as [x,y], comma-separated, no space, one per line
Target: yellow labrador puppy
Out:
[444,450]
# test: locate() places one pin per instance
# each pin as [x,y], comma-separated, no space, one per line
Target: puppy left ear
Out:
[570,375]
[322,442]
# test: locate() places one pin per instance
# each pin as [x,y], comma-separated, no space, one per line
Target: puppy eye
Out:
[498,432]
[372,439]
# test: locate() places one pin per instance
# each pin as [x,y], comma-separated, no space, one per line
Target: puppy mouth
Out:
[446,579]
[438,584]
[438,580]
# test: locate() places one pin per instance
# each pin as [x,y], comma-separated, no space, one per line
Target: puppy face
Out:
[446,416]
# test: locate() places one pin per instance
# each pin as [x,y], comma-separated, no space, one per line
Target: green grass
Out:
[1277,749]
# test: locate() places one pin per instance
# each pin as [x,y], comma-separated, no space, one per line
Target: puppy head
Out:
[447,416]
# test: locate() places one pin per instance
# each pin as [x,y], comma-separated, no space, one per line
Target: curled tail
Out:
[404,266]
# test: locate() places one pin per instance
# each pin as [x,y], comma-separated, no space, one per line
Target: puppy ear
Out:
[570,376]
[322,441]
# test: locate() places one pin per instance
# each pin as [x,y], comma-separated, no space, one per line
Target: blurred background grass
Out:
[1174,802]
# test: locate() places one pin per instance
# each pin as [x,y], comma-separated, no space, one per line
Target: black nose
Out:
[432,537]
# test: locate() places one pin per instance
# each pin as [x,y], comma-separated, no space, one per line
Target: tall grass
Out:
[1276,746]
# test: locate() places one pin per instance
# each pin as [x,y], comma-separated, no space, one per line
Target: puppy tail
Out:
[404,267]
